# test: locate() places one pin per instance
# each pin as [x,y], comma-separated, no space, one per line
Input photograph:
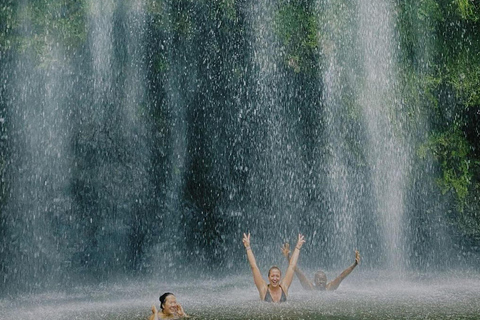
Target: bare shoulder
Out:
[284,289]
[263,290]
[331,286]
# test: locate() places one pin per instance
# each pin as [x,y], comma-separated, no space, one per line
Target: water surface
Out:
[372,295]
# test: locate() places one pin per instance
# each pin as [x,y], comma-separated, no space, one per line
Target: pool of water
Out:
[372,295]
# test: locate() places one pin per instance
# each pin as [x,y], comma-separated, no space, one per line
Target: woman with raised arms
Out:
[277,289]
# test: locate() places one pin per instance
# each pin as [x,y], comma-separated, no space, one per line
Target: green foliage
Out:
[441,77]
[172,16]
[7,24]
[45,24]
[297,28]
[161,63]
[228,10]
[156,10]
[452,151]
[469,220]
[417,22]
[468,9]
[465,78]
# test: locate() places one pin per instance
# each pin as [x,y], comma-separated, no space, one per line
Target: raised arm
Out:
[257,276]
[287,280]
[154,315]
[306,284]
[333,285]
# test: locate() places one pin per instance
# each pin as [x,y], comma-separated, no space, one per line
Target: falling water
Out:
[278,175]
[339,77]
[38,210]
[360,88]
[138,147]
[178,84]
[117,154]
[267,182]
[71,204]
[387,154]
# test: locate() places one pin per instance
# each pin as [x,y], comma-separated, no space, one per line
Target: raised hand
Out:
[155,313]
[180,311]
[301,241]
[286,249]
[246,240]
[357,257]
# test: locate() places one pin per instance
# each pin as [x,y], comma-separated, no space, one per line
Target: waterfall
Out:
[345,184]
[38,213]
[380,101]
[144,137]
[360,48]
[80,191]
[278,175]
[268,182]
[113,139]
[178,83]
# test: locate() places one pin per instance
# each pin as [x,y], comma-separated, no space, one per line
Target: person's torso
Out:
[269,298]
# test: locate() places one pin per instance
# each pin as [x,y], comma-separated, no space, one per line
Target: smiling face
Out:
[320,280]
[274,276]
[170,307]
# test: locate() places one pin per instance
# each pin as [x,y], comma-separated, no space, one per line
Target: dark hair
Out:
[163,297]
[274,267]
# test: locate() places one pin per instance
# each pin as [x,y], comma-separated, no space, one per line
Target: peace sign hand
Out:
[246,240]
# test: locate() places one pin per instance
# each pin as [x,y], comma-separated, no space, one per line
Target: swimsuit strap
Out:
[268,296]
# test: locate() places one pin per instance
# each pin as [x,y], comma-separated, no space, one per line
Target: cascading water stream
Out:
[367,156]
[344,199]
[120,145]
[276,175]
[178,84]
[387,156]
[38,207]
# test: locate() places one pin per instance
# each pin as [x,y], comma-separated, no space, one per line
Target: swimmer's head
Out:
[320,280]
[274,268]
[163,299]
[274,275]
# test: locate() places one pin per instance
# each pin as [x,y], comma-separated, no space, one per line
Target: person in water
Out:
[320,279]
[277,289]
[169,308]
